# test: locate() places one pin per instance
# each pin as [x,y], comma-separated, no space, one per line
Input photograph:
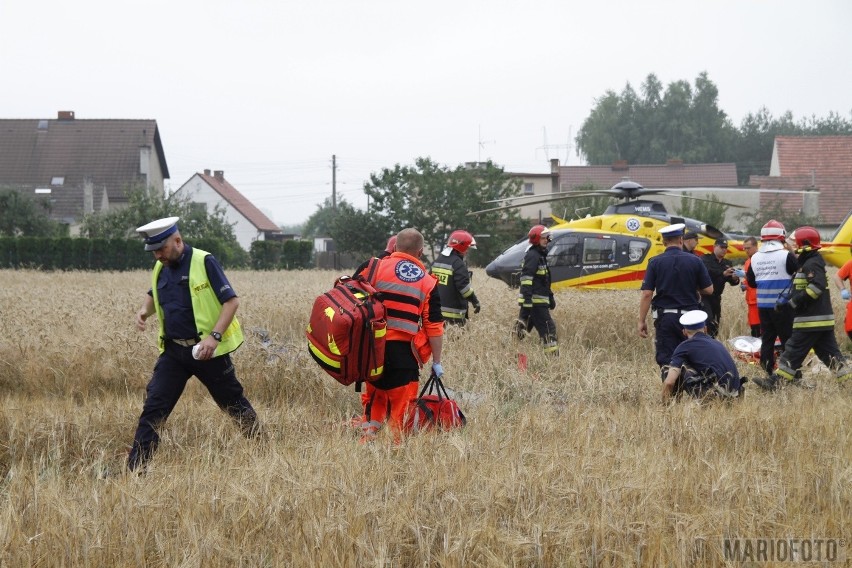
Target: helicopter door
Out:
[598,253]
[564,257]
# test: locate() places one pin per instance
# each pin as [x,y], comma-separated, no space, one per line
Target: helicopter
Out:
[612,250]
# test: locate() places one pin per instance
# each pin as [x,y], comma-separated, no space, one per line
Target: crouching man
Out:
[701,365]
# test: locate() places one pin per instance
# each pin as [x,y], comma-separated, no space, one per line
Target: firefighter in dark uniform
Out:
[454,284]
[701,365]
[536,298]
[721,271]
[813,318]
[678,278]
[195,306]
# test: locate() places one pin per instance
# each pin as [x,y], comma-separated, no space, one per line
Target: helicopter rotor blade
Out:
[541,199]
[702,199]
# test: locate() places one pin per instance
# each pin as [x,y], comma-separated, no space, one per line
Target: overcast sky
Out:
[268,90]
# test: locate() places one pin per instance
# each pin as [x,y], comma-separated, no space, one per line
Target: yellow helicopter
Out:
[612,250]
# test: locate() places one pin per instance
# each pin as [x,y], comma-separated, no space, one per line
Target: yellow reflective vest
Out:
[205,306]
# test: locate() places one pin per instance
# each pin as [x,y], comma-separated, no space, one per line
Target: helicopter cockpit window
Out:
[598,251]
[564,251]
[636,250]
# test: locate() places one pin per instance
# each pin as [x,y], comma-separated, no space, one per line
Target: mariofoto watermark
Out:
[784,549]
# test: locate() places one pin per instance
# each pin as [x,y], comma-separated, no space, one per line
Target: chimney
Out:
[66,115]
[219,174]
[207,172]
[620,166]
[674,162]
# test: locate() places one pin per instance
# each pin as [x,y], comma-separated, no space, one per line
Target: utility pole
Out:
[334,183]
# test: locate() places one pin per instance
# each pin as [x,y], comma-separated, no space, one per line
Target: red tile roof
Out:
[239,202]
[811,162]
[651,176]
[824,156]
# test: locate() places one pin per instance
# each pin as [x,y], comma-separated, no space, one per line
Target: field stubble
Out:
[572,461]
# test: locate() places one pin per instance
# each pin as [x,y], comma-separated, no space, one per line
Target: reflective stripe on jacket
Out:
[453,284]
[811,299]
[406,287]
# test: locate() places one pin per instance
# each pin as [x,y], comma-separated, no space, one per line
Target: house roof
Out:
[35,152]
[811,162]
[672,175]
[238,201]
[822,156]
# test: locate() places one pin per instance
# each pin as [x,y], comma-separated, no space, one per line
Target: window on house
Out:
[57,180]
[528,189]
[198,207]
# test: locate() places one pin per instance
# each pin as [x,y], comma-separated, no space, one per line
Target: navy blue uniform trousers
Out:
[171,373]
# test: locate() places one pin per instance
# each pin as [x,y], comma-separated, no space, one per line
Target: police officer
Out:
[195,307]
[535,297]
[813,318]
[770,271]
[721,271]
[677,278]
[690,242]
[701,365]
[454,284]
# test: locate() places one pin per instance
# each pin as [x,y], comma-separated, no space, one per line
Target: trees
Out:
[435,200]
[683,123]
[144,206]
[710,210]
[25,216]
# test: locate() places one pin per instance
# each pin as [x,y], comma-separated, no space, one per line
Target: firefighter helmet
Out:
[773,231]
[391,246]
[538,233]
[461,241]
[807,238]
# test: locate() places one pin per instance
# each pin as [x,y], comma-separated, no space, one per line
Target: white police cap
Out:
[675,230]
[156,232]
[693,319]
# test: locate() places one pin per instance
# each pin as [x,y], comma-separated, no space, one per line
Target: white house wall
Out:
[199,191]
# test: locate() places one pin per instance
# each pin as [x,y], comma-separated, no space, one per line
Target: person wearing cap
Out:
[690,241]
[195,307]
[721,271]
[453,276]
[673,283]
[771,271]
[813,319]
[701,365]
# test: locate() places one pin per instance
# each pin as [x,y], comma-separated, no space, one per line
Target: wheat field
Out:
[571,462]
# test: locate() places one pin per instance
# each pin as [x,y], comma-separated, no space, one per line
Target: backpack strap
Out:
[371,268]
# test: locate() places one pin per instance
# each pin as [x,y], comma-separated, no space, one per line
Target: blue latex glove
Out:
[845,294]
[438,369]
[739,273]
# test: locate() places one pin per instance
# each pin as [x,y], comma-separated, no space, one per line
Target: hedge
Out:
[66,253]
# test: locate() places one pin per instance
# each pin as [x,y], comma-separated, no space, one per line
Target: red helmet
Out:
[807,238]
[391,246]
[461,241]
[538,233]
[773,231]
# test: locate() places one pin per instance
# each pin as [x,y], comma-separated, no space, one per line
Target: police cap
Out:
[156,232]
[693,319]
[675,230]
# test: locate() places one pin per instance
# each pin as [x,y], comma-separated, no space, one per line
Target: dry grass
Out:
[572,463]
